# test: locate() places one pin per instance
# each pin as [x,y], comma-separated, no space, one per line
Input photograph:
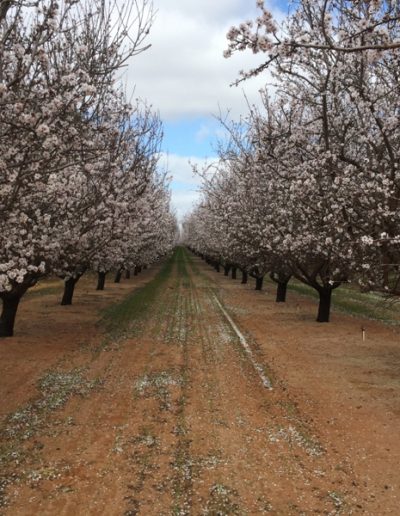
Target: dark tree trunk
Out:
[9,312]
[324,308]
[244,277]
[69,287]
[217,266]
[226,270]
[140,268]
[136,271]
[259,282]
[118,277]
[281,291]
[101,280]
[128,274]
[233,272]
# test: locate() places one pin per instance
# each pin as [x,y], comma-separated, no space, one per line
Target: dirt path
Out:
[168,414]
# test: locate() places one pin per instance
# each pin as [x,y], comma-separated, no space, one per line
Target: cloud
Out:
[185,184]
[184,72]
[183,202]
[186,78]
[181,168]
[203,133]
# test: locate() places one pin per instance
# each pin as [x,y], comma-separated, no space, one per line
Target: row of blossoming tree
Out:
[309,185]
[79,185]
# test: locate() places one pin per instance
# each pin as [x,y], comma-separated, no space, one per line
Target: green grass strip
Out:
[182,259]
[119,317]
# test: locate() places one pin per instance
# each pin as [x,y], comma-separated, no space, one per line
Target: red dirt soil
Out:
[173,418]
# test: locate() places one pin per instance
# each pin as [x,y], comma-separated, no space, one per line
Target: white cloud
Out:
[203,133]
[186,184]
[184,72]
[183,202]
[181,168]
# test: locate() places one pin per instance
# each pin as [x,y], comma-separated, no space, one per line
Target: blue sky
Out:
[191,135]
[185,77]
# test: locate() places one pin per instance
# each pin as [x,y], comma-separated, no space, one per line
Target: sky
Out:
[185,77]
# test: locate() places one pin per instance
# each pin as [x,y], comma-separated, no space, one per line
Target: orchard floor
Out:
[168,415]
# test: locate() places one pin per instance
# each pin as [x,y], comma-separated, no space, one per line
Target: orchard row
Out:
[79,184]
[309,185]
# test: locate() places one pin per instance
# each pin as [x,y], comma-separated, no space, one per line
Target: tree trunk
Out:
[118,276]
[233,272]
[259,283]
[244,277]
[281,291]
[101,279]
[144,267]
[226,270]
[217,266]
[9,311]
[136,271]
[324,308]
[128,274]
[69,287]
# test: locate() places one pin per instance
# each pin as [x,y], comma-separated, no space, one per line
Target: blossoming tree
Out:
[324,154]
[58,66]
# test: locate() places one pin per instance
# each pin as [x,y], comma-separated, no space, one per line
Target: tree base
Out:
[8,314]
[101,280]
[69,288]
[259,283]
[324,308]
[281,291]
